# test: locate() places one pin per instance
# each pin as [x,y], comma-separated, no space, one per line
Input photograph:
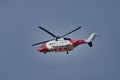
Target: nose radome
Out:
[43,49]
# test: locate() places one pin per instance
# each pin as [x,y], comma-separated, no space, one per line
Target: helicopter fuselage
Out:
[60,45]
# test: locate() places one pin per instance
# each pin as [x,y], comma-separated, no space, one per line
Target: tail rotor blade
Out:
[98,35]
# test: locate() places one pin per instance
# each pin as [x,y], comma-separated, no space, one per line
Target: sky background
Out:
[19,20]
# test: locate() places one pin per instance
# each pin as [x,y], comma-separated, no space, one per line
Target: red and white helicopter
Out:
[61,43]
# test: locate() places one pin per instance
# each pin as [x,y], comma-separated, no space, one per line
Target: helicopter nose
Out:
[43,49]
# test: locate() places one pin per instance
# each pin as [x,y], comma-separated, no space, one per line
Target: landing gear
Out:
[67,52]
[45,53]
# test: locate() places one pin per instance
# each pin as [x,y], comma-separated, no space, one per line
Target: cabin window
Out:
[67,39]
[51,43]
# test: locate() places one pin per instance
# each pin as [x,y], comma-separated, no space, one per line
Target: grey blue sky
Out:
[19,20]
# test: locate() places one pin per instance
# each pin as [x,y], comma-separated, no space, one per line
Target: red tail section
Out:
[77,42]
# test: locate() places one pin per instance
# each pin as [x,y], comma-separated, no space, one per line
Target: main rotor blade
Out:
[47,31]
[71,32]
[37,43]
[42,42]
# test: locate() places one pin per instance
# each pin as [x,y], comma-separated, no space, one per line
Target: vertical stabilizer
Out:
[90,39]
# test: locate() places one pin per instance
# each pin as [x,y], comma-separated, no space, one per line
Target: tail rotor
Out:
[91,38]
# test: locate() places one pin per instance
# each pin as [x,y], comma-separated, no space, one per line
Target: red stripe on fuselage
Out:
[77,42]
[43,48]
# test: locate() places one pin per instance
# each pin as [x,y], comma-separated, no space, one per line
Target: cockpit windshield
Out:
[67,39]
[43,45]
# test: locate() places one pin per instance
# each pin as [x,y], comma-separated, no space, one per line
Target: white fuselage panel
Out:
[59,45]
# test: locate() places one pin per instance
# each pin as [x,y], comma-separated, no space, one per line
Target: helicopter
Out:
[61,43]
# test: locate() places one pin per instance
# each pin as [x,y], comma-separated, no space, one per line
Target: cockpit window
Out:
[67,39]
[43,45]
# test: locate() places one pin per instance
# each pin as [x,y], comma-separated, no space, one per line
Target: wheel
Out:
[67,52]
[45,53]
